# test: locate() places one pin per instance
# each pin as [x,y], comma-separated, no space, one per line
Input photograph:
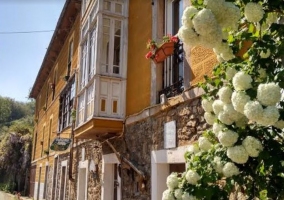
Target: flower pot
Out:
[164,51]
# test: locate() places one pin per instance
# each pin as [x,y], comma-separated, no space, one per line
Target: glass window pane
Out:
[116,51]
[117,30]
[92,53]
[118,8]
[84,63]
[105,51]
[115,70]
[106,22]
[107,5]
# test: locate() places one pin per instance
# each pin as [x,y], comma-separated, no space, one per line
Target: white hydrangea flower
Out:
[225,94]
[228,15]
[214,5]
[270,116]
[242,81]
[233,114]
[220,59]
[265,54]
[168,195]
[262,73]
[221,48]
[242,122]
[192,177]
[228,138]
[224,117]
[187,196]
[209,117]
[211,40]
[217,106]
[188,36]
[207,105]
[239,100]
[178,193]
[228,55]
[253,110]
[172,181]
[224,51]
[230,169]
[225,34]
[230,73]
[217,127]
[218,166]
[238,154]
[252,145]
[204,22]
[253,12]
[279,124]
[193,148]
[272,17]
[187,16]
[204,144]
[268,94]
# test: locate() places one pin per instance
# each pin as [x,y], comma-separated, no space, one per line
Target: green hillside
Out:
[16,128]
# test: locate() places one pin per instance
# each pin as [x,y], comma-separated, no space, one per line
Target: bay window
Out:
[103,60]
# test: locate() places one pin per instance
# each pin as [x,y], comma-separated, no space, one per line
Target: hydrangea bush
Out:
[243,151]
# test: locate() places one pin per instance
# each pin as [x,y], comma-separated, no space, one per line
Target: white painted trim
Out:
[160,161]
[63,164]
[56,177]
[83,165]
[108,161]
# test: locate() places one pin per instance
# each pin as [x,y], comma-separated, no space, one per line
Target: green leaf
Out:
[263,195]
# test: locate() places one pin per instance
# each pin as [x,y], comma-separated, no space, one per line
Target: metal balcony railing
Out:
[173,90]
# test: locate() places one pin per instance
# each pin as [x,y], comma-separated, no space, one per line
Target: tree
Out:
[243,152]
[16,130]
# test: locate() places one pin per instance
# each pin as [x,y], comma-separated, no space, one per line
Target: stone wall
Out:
[147,135]
[93,150]
[140,138]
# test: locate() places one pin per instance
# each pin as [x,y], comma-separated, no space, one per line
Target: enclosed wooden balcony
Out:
[98,128]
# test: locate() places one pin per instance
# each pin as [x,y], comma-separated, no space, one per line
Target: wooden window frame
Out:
[66,105]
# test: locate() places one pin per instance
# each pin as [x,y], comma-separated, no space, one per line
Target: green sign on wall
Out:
[60,144]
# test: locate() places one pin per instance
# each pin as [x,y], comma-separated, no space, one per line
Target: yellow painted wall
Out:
[138,67]
[52,111]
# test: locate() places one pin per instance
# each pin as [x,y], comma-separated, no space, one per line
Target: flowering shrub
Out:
[243,151]
[152,45]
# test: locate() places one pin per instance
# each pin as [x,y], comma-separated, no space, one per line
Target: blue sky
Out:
[21,55]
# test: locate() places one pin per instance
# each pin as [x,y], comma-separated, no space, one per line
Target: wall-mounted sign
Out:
[60,144]
[170,135]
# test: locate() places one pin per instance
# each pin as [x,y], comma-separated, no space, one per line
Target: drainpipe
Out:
[71,153]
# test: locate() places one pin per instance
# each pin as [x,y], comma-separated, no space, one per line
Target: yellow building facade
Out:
[96,88]
[54,77]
